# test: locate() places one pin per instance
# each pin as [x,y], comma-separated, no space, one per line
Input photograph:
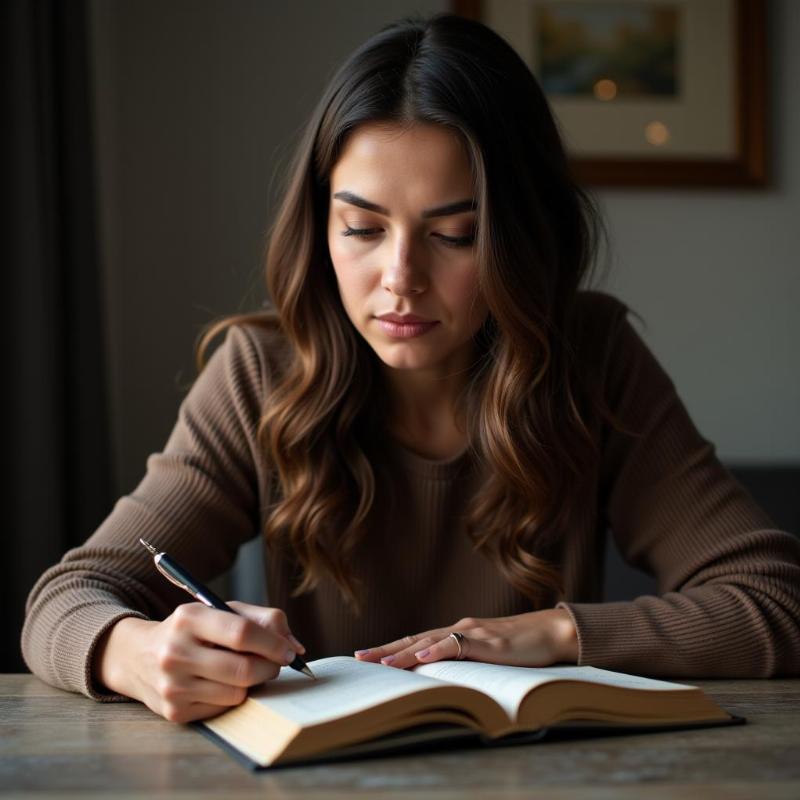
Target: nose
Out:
[404,276]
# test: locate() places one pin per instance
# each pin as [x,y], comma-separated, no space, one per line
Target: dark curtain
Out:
[57,477]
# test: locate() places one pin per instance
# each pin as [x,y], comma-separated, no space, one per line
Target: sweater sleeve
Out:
[728,582]
[198,500]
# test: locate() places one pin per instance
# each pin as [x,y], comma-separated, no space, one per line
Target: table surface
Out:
[54,743]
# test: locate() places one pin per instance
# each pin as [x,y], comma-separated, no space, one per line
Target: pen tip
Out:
[148,546]
[307,671]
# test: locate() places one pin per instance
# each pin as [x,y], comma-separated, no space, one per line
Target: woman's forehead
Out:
[386,151]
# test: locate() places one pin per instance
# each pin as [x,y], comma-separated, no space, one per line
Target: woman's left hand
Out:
[535,639]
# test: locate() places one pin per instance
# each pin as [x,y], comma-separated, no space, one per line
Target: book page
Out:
[343,686]
[510,685]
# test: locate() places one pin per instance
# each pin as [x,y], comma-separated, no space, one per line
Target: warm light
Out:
[656,133]
[605,89]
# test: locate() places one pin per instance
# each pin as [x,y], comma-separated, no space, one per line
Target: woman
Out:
[432,432]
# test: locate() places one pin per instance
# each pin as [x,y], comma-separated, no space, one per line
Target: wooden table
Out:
[56,744]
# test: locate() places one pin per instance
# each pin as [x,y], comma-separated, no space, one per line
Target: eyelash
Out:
[448,241]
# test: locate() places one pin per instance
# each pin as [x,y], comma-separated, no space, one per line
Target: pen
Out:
[176,574]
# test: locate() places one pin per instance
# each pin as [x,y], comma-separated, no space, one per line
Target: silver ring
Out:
[459,637]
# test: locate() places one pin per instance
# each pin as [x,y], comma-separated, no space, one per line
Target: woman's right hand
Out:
[198,661]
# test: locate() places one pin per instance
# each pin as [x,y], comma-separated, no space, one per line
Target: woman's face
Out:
[408,195]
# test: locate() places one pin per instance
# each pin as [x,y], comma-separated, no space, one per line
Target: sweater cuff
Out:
[604,631]
[75,644]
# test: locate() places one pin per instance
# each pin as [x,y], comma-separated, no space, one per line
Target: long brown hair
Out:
[531,422]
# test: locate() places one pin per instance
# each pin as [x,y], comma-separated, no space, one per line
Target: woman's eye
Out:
[449,241]
[361,233]
[457,241]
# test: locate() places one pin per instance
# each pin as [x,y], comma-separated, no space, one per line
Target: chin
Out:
[404,356]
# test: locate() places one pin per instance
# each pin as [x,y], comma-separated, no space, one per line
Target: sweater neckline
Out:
[441,469]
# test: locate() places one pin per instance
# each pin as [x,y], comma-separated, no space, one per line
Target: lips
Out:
[405,326]
[405,319]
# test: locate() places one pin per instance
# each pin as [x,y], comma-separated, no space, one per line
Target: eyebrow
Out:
[458,207]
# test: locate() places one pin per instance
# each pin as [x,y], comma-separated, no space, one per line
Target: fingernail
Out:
[387,659]
[423,654]
[296,643]
[360,652]
[290,654]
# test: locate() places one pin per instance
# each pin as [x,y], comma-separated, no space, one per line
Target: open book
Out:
[358,707]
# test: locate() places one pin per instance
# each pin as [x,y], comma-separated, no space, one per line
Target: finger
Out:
[234,669]
[392,648]
[407,658]
[200,690]
[234,631]
[176,696]
[272,618]
[398,645]
[203,711]
[445,649]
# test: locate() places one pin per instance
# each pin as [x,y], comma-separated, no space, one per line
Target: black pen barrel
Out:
[194,586]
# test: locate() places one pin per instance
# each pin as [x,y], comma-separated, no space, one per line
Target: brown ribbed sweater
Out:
[728,601]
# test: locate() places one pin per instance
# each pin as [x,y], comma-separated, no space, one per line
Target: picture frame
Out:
[706,107]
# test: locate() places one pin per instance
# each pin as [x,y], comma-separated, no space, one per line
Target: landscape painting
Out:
[608,50]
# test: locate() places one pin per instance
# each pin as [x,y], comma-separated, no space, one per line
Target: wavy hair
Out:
[530,420]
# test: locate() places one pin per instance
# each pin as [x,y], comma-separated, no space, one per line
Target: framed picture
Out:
[647,92]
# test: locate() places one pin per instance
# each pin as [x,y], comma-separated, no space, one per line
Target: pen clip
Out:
[171,578]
